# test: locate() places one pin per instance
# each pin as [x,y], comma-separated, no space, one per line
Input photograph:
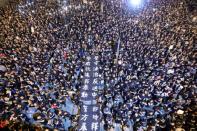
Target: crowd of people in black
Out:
[43,63]
[154,77]
[147,57]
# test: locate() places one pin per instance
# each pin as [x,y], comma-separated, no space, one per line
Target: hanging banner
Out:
[89,115]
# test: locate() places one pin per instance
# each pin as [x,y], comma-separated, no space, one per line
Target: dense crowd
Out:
[147,56]
[43,65]
[152,80]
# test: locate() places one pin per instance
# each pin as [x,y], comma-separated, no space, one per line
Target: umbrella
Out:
[3,68]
